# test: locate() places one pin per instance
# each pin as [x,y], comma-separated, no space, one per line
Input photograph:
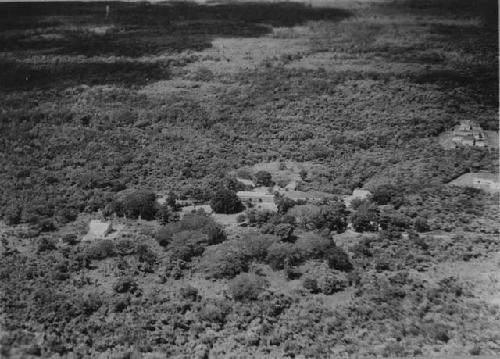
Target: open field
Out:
[98,114]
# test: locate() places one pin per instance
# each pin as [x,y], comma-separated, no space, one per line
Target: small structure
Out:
[247,182]
[487,181]
[255,197]
[469,133]
[97,230]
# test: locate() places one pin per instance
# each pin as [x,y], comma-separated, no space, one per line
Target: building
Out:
[469,133]
[255,197]
[98,230]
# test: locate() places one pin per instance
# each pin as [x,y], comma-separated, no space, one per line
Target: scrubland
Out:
[99,114]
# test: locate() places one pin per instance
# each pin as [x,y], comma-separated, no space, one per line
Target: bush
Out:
[313,246]
[258,217]
[246,286]
[125,247]
[421,225]
[330,283]
[224,200]
[254,245]
[363,221]
[46,225]
[70,239]
[187,244]
[387,194]
[338,259]
[310,284]
[283,203]
[146,257]
[165,214]
[101,249]
[280,253]
[241,218]
[189,292]
[13,215]
[46,244]
[125,285]
[66,215]
[214,312]
[283,231]
[224,261]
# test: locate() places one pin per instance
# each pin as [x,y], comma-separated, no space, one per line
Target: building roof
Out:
[468,179]
[253,194]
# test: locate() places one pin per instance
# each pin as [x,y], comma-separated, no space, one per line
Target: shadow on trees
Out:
[137,29]
[132,30]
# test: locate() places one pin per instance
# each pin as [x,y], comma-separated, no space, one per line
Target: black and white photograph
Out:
[248,179]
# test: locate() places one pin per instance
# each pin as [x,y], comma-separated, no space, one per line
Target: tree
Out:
[263,178]
[333,216]
[247,287]
[139,203]
[366,218]
[283,203]
[421,225]
[388,194]
[225,201]
[165,214]
[283,231]
[338,259]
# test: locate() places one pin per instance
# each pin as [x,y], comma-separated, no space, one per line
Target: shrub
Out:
[139,203]
[147,257]
[310,284]
[258,217]
[101,249]
[246,286]
[338,259]
[224,200]
[67,215]
[214,312]
[90,303]
[163,236]
[332,216]
[187,244]
[281,252]
[283,203]
[387,193]
[165,214]
[283,231]
[313,246]
[46,244]
[125,247]
[189,292]
[421,225]
[254,245]
[363,221]
[224,260]
[215,233]
[70,239]
[241,218]
[330,283]
[13,215]
[46,225]
[125,285]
